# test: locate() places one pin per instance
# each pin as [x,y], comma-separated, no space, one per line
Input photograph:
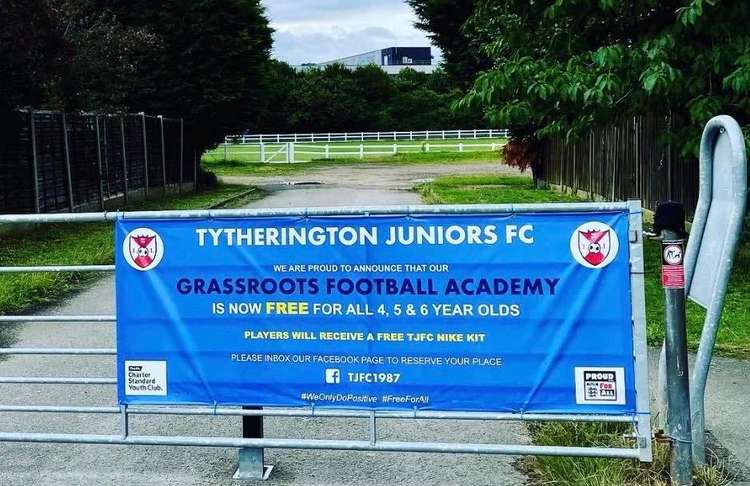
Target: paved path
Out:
[727,402]
[65,464]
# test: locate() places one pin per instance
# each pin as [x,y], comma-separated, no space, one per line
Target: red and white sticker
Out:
[672,268]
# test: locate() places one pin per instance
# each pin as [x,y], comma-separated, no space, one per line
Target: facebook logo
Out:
[333,375]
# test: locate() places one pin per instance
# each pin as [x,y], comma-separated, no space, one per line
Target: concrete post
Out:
[182,149]
[124,160]
[163,158]
[145,157]
[35,160]
[99,160]
[68,171]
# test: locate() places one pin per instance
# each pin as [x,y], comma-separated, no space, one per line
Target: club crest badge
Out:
[143,249]
[594,244]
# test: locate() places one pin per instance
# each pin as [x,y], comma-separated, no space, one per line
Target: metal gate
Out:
[640,420]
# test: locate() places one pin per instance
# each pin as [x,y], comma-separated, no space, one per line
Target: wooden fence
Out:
[53,161]
[627,160]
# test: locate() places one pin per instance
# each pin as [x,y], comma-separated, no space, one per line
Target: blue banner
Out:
[526,312]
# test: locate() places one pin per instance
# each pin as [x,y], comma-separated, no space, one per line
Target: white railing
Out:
[363,136]
[290,152]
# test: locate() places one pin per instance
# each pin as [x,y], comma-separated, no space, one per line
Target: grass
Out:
[235,167]
[78,244]
[308,151]
[487,189]
[733,340]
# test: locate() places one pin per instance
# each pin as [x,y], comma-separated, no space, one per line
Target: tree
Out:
[444,21]
[32,53]
[211,67]
[364,99]
[201,60]
[564,66]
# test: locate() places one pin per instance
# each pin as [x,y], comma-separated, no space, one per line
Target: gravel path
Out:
[98,465]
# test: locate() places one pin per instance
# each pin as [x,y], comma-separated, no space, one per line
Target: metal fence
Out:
[640,420]
[54,161]
[631,159]
[362,136]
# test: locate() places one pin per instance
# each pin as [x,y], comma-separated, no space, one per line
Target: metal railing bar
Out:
[322,413]
[63,318]
[57,409]
[350,445]
[72,351]
[393,414]
[319,211]
[54,380]
[58,268]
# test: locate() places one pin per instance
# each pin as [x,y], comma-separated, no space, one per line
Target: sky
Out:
[322,30]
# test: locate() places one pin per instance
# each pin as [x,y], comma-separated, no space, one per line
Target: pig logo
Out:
[594,244]
[143,249]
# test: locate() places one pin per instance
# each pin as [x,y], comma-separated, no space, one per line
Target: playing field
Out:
[307,151]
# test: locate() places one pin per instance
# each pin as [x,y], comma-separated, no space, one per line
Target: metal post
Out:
[395,148]
[262,152]
[361,151]
[226,146]
[182,160]
[669,220]
[460,147]
[411,135]
[723,180]
[327,151]
[99,161]
[124,160]
[35,167]
[68,170]
[250,464]
[145,158]
[195,171]
[163,158]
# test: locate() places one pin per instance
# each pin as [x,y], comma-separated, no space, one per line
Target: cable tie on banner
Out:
[215,406]
[312,409]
